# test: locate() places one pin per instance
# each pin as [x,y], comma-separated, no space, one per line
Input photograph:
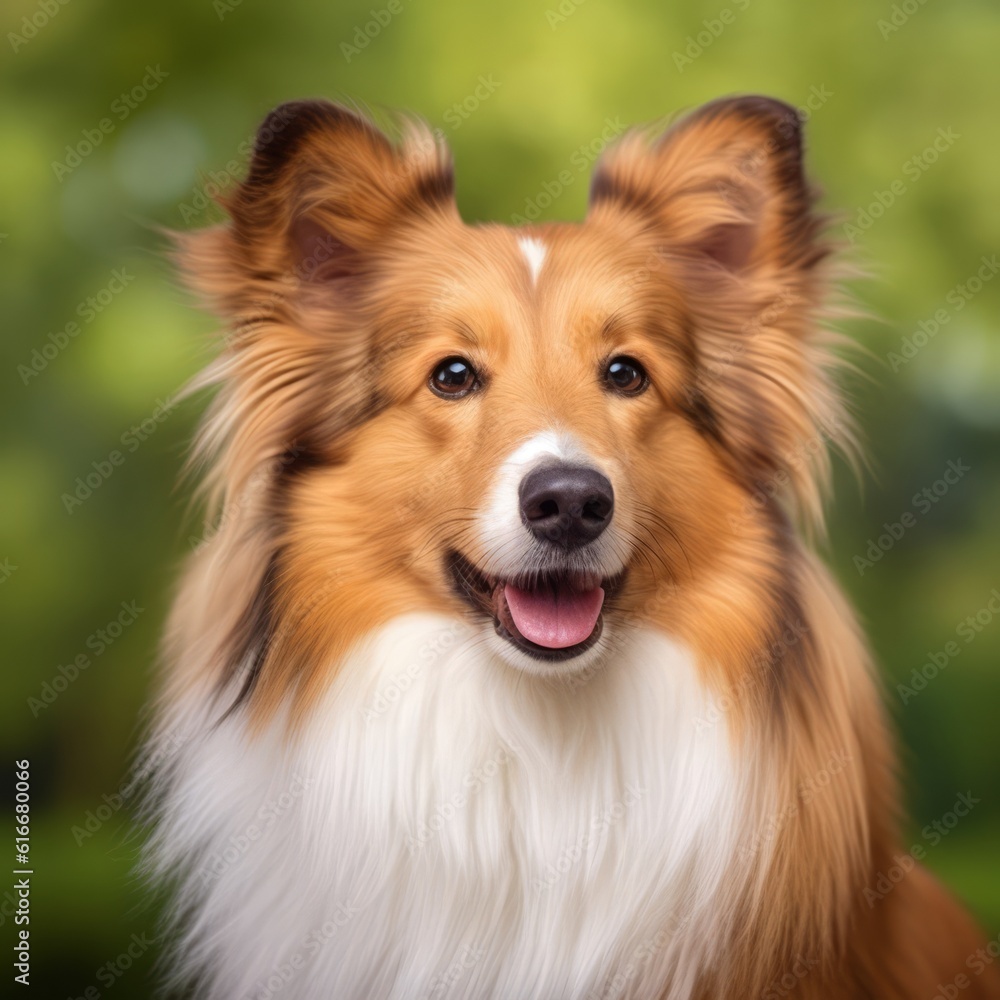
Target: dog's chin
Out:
[571,669]
[553,656]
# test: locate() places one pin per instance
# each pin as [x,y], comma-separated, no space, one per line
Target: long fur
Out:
[363,791]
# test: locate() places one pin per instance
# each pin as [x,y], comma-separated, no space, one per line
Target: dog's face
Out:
[562,430]
[538,455]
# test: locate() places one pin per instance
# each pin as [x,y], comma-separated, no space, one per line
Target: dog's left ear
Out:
[721,197]
[725,185]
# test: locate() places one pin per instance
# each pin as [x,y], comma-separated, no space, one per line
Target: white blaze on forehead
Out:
[534,253]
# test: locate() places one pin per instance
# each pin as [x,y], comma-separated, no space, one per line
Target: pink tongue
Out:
[554,618]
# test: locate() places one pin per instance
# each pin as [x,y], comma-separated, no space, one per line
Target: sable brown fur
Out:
[345,272]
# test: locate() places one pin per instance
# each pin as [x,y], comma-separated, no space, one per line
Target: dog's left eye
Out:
[626,375]
[453,378]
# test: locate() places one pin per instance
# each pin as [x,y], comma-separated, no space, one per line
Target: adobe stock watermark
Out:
[97,642]
[445,811]
[88,310]
[204,194]
[7,570]
[977,963]
[801,966]
[461,111]
[441,984]
[112,970]
[324,248]
[938,660]
[260,481]
[778,482]
[806,792]
[643,954]
[763,662]
[121,107]
[366,33]
[580,160]
[750,162]
[922,501]
[711,29]
[958,298]
[314,942]
[32,24]
[103,469]
[224,7]
[562,13]
[111,804]
[398,684]
[912,169]
[294,618]
[238,845]
[931,835]
[600,823]
[899,15]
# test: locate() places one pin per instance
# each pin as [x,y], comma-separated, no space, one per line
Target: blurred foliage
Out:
[166,96]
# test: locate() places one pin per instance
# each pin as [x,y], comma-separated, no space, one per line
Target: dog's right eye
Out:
[453,378]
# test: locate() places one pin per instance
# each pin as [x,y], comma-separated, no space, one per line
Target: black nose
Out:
[566,505]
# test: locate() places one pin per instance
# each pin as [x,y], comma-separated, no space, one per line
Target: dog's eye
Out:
[453,378]
[626,375]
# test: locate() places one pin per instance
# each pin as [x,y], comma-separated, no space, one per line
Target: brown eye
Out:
[626,375]
[453,378]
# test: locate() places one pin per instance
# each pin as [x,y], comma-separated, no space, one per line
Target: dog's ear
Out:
[326,197]
[725,186]
[722,203]
[325,192]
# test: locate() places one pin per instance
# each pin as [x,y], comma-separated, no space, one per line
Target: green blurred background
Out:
[173,94]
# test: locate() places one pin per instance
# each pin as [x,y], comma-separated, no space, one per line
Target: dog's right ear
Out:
[326,198]
[326,190]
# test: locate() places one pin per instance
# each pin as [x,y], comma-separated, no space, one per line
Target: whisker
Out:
[654,516]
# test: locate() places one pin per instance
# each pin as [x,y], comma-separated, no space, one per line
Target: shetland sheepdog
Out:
[505,669]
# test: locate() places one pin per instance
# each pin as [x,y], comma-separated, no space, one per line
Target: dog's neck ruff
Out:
[444,826]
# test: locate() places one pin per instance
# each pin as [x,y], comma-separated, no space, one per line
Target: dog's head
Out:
[563,430]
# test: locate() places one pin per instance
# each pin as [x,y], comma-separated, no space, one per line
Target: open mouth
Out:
[553,615]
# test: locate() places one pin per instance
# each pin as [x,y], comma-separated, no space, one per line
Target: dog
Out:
[505,668]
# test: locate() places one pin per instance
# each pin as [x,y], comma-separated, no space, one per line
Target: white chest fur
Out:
[447,827]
